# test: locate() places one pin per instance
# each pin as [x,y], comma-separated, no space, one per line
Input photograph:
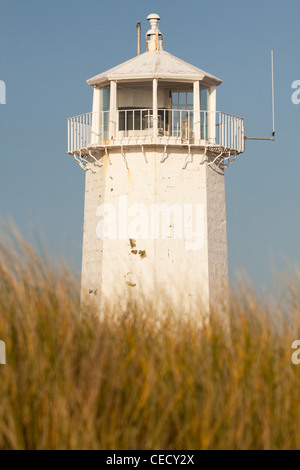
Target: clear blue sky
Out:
[48,51]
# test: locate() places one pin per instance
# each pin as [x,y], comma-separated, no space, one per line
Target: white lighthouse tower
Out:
[154,149]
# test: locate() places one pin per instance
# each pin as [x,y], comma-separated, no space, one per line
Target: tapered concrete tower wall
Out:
[155,223]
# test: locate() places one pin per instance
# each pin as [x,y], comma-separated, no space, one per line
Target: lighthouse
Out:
[154,150]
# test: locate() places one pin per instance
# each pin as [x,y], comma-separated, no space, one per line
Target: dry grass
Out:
[72,382]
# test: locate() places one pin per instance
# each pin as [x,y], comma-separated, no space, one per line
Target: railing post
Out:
[68,135]
[242,135]
[76,133]
[235,140]
[72,135]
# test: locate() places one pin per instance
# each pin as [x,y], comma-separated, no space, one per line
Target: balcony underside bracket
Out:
[107,155]
[165,155]
[96,161]
[187,159]
[124,156]
[144,153]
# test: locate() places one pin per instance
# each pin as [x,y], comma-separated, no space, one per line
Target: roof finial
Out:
[154,38]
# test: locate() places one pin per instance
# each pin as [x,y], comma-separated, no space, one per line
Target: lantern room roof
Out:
[155,64]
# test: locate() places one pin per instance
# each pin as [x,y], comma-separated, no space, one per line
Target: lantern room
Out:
[155,98]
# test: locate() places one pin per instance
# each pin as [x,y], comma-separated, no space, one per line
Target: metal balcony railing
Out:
[229,132]
[87,129]
[176,125]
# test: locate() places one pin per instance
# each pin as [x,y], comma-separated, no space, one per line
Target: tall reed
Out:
[146,381]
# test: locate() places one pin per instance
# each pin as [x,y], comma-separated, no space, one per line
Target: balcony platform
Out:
[125,143]
[220,133]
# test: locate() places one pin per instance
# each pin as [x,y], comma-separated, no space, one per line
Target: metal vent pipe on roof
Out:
[154,38]
[138,37]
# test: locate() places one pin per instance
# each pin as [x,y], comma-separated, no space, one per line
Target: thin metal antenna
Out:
[273,91]
[273,106]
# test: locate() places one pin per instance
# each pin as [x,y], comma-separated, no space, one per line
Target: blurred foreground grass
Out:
[73,382]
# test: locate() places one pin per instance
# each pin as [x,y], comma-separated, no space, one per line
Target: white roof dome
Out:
[155,63]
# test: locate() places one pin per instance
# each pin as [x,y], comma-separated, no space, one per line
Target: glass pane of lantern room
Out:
[182,114]
[182,100]
[190,98]
[105,99]
[204,97]
[174,100]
